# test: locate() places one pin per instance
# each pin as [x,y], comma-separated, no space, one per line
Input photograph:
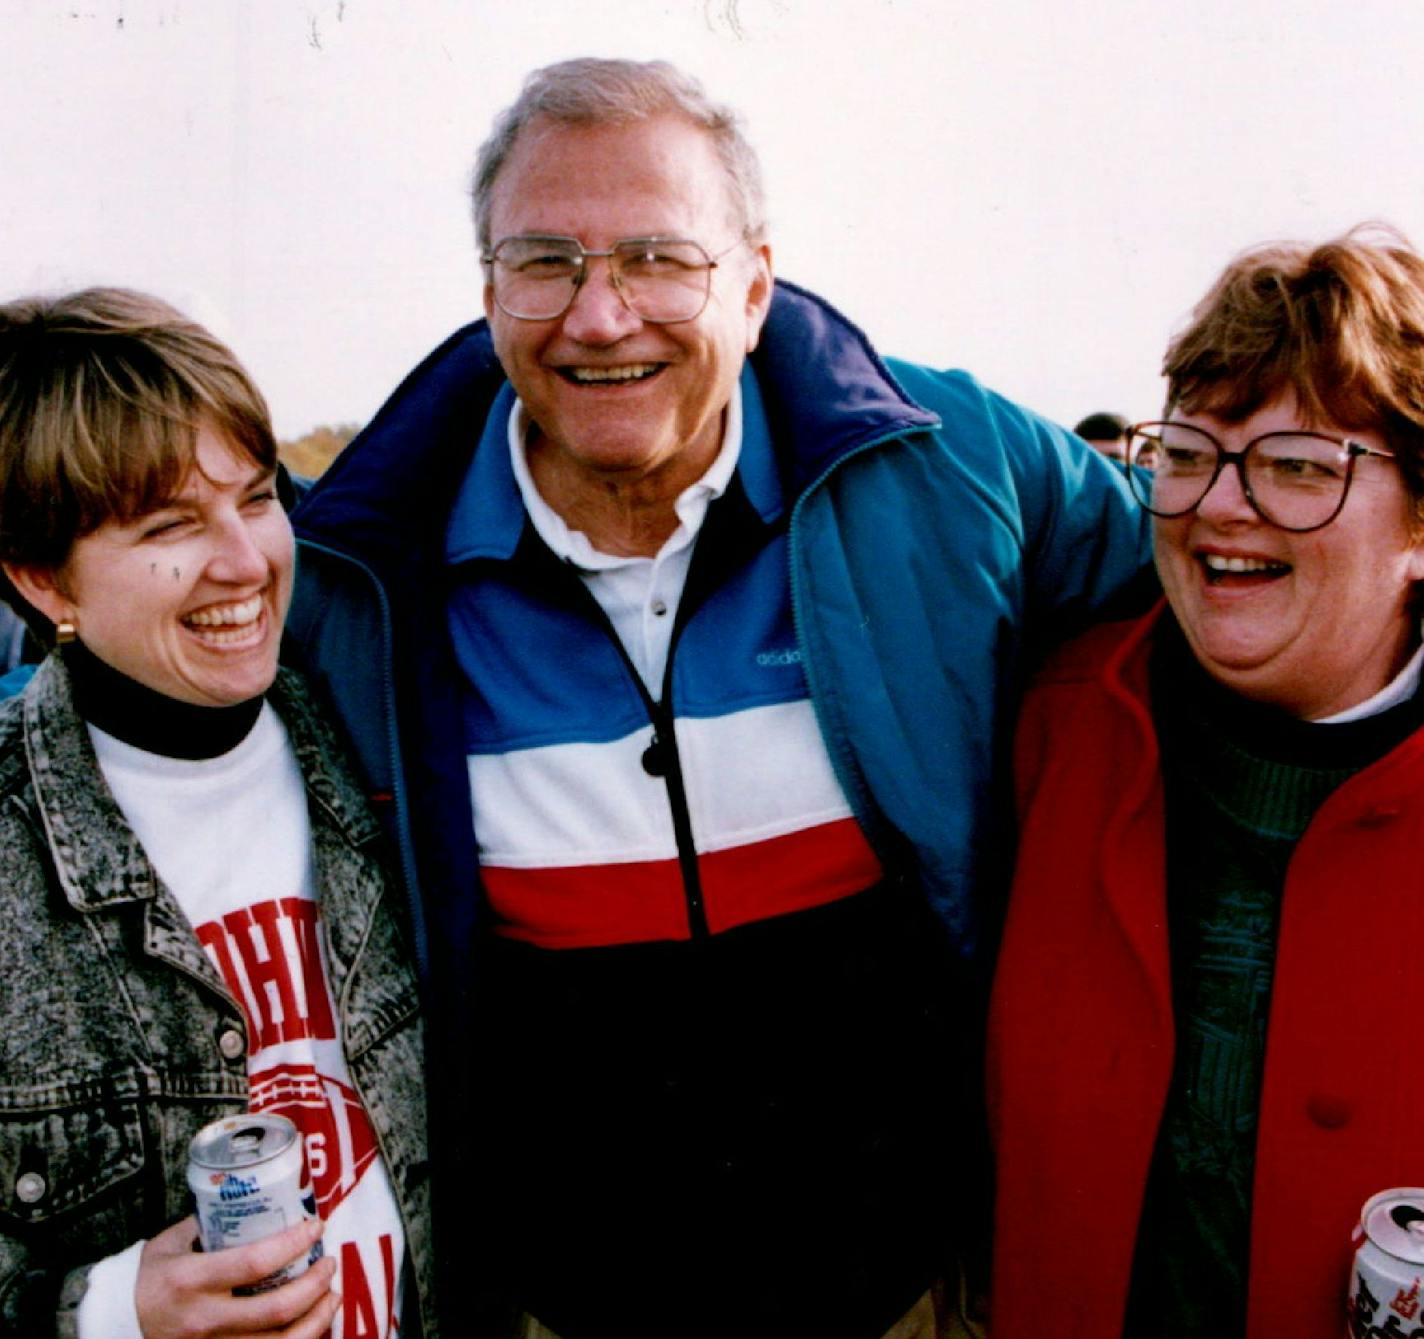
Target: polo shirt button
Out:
[659,607]
[1330,1113]
[231,1044]
[30,1188]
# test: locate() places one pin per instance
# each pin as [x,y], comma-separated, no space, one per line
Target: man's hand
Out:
[185,1294]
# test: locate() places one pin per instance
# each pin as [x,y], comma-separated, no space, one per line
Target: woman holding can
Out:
[1203,1036]
[197,918]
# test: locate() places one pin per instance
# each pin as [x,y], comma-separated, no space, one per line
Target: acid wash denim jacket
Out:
[119,1040]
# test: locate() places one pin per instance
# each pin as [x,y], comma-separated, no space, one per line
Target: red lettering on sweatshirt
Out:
[270,956]
[358,1312]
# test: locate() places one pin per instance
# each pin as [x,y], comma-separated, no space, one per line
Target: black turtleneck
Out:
[149,720]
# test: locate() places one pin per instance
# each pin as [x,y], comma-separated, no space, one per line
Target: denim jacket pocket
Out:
[66,1156]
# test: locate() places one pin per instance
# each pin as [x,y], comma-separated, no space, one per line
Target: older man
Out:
[683,677]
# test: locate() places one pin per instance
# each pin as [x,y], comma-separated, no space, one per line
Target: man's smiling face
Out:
[614,397]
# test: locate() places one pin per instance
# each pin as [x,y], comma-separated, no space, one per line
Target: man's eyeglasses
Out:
[1295,480]
[660,279]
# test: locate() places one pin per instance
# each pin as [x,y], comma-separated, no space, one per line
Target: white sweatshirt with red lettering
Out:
[230,838]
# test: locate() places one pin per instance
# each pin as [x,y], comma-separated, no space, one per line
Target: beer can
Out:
[248,1175]
[1387,1280]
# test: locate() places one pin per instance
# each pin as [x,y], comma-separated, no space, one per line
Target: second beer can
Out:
[1387,1280]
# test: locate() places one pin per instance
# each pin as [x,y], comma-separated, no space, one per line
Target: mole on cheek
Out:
[177,574]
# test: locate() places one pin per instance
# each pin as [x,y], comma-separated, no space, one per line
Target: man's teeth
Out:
[1217,562]
[628,372]
[226,615]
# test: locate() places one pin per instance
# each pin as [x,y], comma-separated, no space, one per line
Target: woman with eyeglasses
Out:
[1203,1047]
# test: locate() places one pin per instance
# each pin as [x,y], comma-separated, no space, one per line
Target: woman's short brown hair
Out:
[1340,326]
[102,396]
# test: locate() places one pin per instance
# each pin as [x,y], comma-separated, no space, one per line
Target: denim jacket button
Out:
[30,1188]
[231,1044]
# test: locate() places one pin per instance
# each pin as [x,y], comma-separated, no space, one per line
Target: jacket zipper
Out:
[663,753]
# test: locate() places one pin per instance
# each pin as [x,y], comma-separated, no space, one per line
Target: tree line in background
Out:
[311,454]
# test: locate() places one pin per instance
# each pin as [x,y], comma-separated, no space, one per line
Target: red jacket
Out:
[1081,1032]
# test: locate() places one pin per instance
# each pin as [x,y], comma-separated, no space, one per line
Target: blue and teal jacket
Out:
[941,538]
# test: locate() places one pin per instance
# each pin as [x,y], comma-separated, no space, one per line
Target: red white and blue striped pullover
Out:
[611,813]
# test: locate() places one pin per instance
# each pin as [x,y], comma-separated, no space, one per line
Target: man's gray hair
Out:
[592,91]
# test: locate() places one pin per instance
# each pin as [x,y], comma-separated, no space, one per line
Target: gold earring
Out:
[64,632]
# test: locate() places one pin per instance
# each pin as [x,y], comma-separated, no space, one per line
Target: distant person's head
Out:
[1105,433]
[622,229]
[1289,488]
[139,512]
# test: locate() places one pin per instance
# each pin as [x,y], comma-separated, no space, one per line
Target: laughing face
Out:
[189,599]
[1314,623]
[613,398]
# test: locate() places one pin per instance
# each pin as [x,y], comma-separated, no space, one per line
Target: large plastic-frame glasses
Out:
[661,280]
[1294,480]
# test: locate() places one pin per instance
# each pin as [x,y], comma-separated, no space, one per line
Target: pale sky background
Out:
[1037,190]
